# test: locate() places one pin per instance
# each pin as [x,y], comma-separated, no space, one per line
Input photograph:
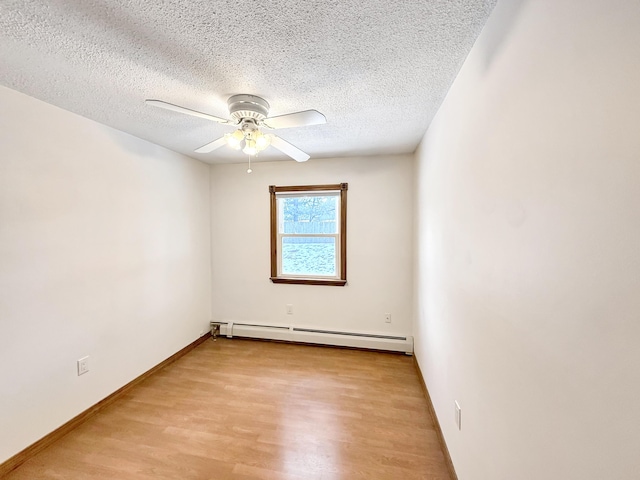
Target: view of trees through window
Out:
[308,234]
[308,227]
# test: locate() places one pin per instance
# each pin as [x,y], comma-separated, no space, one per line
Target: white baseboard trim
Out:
[373,341]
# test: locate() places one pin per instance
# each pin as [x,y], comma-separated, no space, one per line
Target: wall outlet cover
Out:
[83,365]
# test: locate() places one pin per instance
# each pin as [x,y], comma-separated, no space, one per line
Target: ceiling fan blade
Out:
[297,119]
[210,147]
[186,111]
[286,148]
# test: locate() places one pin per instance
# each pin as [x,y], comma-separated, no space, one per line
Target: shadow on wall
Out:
[496,38]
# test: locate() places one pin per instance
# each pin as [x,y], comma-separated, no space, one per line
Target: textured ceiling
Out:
[378,70]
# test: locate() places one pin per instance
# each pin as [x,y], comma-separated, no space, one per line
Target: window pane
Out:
[308,214]
[309,256]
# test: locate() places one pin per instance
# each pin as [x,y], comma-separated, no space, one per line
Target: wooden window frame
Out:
[336,282]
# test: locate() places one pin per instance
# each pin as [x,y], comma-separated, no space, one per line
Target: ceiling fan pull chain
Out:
[249,169]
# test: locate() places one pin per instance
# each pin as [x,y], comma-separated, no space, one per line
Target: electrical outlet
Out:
[83,365]
[289,309]
[201,333]
[387,318]
[458,415]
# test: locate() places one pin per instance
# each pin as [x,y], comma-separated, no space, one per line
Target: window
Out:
[309,234]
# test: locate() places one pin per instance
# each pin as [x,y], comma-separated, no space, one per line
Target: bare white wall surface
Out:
[528,240]
[379,246]
[104,251]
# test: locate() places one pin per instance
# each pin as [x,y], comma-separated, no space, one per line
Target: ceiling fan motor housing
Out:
[248,106]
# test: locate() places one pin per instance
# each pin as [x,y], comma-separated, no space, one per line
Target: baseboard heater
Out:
[371,341]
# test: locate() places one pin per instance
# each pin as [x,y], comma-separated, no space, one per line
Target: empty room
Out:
[320,240]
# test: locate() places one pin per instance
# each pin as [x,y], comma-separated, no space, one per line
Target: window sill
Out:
[309,281]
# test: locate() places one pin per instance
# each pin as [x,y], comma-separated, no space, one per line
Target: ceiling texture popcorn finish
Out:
[378,70]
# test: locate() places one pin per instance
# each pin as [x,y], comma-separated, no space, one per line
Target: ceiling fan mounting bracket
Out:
[248,107]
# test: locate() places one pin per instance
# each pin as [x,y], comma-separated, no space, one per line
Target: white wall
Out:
[379,246]
[528,212]
[104,251]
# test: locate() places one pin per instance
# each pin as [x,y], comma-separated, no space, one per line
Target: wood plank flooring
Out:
[247,410]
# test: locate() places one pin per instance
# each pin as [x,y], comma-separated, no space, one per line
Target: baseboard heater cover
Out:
[371,341]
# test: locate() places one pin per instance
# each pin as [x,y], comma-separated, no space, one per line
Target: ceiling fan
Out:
[250,113]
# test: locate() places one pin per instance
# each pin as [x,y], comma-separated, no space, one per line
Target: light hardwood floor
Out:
[242,409]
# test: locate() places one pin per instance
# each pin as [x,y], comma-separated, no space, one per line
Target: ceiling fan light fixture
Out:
[234,140]
[262,141]
[250,147]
